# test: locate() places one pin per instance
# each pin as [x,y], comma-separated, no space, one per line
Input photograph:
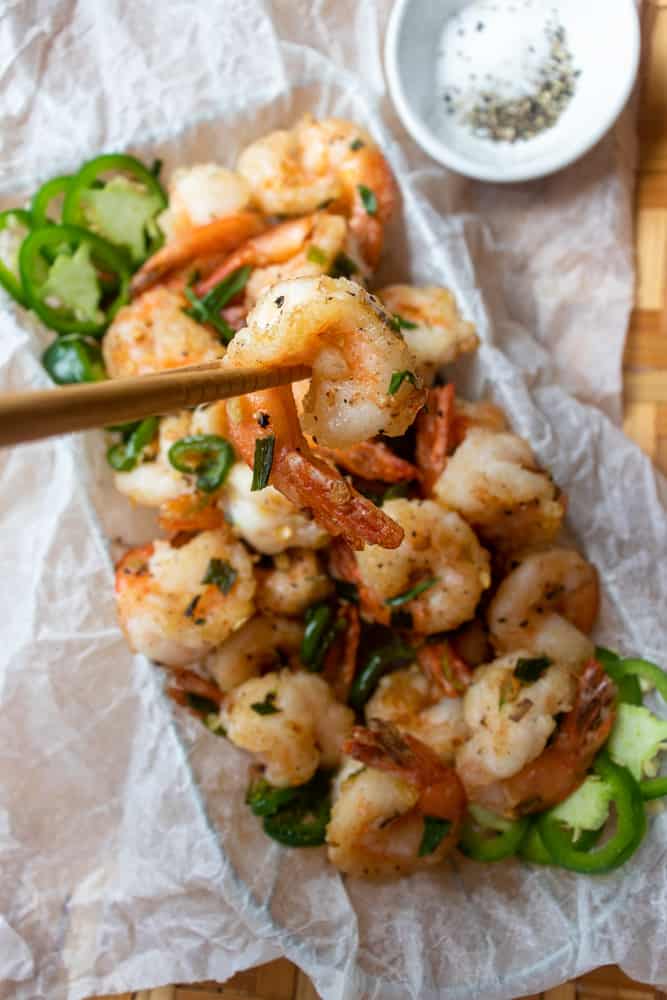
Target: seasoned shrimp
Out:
[153,333]
[262,643]
[290,721]
[505,766]
[494,482]
[300,476]
[415,704]
[439,558]
[200,194]
[547,603]
[431,323]
[296,581]
[154,481]
[381,811]
[175,604]
[330,162]
[371,460]
[343,332]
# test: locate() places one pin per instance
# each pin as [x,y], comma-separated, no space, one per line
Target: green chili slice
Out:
[630,826]
[261,468]
[124,456]
[488,837]
[648,672]
[42,200]
[303,821]
[394,654]
[206,456]
[61,270]
[265,799]
[16,222]
[207,309]
[409,595]
[72,359]
[628,688]
[123,209]
[532,846]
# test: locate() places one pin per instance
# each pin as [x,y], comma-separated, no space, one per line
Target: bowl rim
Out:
[439,151]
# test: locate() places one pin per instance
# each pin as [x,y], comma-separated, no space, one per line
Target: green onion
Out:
[435,831]
[394,654]
[368,199]
[222,574]
[124,456]
[317,256]
[267,706]
[401,323]
[320,631]
[261,469]
[397,380]
[207,309]
[343,266]
[529,670]
[357,144]
[409,595]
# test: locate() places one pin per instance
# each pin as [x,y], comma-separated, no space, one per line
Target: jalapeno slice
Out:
[487,837]
[41,202]
[74,281]
[206,456]
[303,821]
[123,208]
[16,223]
[627,687]
[265,799]
[532,846]
[124,456]
[630,826]
[72,359]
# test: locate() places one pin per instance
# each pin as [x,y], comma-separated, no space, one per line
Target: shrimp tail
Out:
[434,435]
[587,726]
[443,665]
[371,460]
[191,683]
[340,663]
[190,512]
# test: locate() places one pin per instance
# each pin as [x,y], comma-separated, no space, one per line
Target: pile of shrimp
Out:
[362,590]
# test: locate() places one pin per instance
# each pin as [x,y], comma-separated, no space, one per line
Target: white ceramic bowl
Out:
[603,36]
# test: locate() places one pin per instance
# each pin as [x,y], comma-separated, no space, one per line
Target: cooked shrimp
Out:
[153,333]
[262,643]
[296,473]
[415,704]
[548,603]
[434,435]
[298,248]
[494,482]
[439,557]
[431,323]
[500,767]
[380,811]
[330,162]
[340,662]
[200,194]
[169,611]
[296,581]
[154,481]
[371,460]
[290,721]
[343,332]
[193,249]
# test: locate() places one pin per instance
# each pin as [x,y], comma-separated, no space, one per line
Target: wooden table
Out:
[645,366]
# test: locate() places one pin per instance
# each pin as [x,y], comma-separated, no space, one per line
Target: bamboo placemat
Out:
[645,368]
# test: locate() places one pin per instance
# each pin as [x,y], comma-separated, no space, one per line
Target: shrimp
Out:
[343,332]
[551,775]
[547,603]
[381,811]
[290,721]
[296,581]
[153,334]
[439,557]
[200,194]
[296,248]
[154,481]
[431,324]
[415,704]
[340,662]
[371,460]
[494,482]
[169,608]
[330,162]
[308,483]
[265,641]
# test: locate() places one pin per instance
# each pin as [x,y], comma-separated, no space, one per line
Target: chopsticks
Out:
[27,416]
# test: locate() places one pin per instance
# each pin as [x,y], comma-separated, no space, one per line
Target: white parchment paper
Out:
[128,859]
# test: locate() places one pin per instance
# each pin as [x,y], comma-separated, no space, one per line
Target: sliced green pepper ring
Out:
[10,276]
[532,846]
[493,839]
[653,788]
[265,799]
[209,457]
[123,209]
[630,826]
[628,687]
[303,821]
[650,672]
[67,294]
[72,359]
[41,202]
[124,456]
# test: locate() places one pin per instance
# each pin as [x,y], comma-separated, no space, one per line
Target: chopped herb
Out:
[529,670]
[190,610]
[267,706]
[156,167]
[435,831]
[357,144]
[368,199]
[207,309]
[344,266]
[124,456]
[201,704]
[398,378]
[320,631]
[261,469]
[317,256]
[409,595]
[222,574]
[401,323]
